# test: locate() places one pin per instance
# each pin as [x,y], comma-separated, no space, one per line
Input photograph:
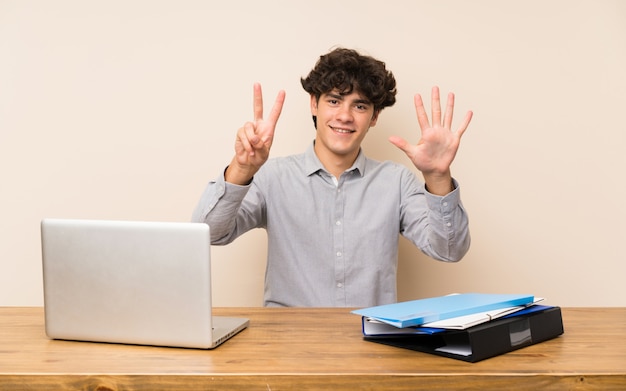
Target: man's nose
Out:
[344,113]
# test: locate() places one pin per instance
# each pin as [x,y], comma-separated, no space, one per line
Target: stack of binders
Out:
[469,327]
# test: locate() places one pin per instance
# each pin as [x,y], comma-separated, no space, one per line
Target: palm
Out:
[435,151]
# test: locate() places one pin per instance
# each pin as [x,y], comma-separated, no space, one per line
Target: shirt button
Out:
[339,285]
[338,253]
[445,204]
[448,224]
[338,222]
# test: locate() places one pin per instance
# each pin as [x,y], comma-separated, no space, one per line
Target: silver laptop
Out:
[146,283]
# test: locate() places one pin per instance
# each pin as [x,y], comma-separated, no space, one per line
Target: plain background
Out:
[126,109]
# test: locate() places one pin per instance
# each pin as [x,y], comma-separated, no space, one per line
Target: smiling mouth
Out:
[342,130]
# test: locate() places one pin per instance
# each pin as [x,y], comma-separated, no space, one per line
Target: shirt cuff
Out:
[444,204]
[230,191]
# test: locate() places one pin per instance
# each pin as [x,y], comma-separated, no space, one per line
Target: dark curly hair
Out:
[346,70]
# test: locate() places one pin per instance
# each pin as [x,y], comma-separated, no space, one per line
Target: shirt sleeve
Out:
[437,225]
[221,207]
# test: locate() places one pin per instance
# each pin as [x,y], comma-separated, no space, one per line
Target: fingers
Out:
[436,109]
[277,108]
[253,135]
[435,105]
[422,117]
[447,119]
[400,143]
[257,102]
[247,138]
[465,124]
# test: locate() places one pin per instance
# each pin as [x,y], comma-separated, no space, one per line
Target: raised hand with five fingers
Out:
[434,152]
[254,140]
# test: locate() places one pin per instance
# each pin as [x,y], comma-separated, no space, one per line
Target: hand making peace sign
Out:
[254,140]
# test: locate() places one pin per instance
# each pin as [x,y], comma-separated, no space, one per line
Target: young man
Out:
[333,216]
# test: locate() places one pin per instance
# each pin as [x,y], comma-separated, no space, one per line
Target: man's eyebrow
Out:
[339,96]
[335,95]
[363,101]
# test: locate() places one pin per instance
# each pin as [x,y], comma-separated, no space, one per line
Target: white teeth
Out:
[338,130]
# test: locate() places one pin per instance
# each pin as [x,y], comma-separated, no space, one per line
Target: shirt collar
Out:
[313,164]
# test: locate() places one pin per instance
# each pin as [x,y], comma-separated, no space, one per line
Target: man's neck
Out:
[335,164]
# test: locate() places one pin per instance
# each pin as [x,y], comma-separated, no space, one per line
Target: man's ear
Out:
[374,118]
[313,105]
[314,101]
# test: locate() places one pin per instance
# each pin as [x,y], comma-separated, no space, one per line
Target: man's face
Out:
[342,123]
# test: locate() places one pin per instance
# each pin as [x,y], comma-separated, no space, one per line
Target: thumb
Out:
[399,142]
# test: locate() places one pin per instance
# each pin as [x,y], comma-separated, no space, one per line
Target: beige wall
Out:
[124,109]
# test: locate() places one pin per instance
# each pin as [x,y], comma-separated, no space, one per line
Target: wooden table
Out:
[299,349]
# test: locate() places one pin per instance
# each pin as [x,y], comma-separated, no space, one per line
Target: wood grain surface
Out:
[309,348]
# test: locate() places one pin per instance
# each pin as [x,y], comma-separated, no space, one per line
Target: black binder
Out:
[484,340]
